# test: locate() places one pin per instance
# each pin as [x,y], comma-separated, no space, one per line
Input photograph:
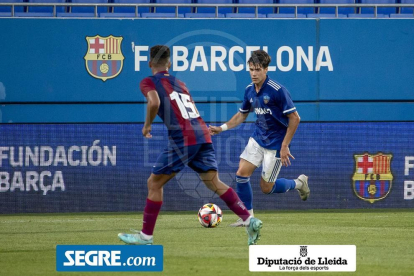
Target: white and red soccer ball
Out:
[210,215]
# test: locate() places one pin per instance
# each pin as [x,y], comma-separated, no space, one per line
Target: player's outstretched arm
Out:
[152,110]
[237,119]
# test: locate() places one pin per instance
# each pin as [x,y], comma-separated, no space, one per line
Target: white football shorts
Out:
[259,156]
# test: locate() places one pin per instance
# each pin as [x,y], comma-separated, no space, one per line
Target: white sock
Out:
[145,236]
[247,221]
[251,212]
[299,184]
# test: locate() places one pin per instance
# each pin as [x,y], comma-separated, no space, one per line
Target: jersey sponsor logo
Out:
[262,111]
[372,179]
[104,59]
[266,99]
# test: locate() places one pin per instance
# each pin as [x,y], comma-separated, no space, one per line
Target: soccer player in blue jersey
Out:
[277,121]
[189,144]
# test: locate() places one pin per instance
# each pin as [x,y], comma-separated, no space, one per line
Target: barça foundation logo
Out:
[104,59]
[372,180]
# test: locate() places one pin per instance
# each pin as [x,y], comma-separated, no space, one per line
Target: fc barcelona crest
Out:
[104,59]
[372,180]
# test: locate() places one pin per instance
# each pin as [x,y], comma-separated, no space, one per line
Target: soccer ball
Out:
[210,215]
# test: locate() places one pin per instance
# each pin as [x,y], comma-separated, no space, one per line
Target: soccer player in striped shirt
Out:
[276,124]
[189,144]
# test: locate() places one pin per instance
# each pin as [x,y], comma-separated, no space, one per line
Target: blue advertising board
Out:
[104,167]
[74,67]
[71,111]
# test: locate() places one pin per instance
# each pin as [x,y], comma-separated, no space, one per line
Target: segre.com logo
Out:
[109,258]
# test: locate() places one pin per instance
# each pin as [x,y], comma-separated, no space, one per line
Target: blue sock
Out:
[244,191]
[283,185]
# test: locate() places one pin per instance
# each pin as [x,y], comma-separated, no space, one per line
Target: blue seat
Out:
[343,10]
[367,15]
[181,10]
[244,15]
[161,15]
[203,15]
[76,14]
[118,15]
[285,15]
[222,10]
[380,10]
[253,10]
[300,10]
[6,10]
[44,10]
[401,15]
[325,15]
[131,9]
[407,10]
[88,10]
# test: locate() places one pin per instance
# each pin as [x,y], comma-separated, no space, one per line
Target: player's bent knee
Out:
[267,190]
[242,173]
[152,185]
[266,187]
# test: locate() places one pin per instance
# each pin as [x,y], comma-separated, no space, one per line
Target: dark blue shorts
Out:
[201,158]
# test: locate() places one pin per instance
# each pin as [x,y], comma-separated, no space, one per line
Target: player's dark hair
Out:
[160,55]
[259,58]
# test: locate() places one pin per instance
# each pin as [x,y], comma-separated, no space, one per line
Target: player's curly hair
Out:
[160,54]
[260,58]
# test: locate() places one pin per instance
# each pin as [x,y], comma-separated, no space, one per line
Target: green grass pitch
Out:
[384,240]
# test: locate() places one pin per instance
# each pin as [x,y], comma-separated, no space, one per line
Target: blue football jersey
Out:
[271,104]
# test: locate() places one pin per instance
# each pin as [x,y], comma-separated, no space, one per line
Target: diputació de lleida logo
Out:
[372,180]
[104,59]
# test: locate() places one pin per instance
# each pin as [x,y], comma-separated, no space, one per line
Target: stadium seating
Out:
[130,10]
[166,10]
[235,11]
[118,14]
[367,15]
[343,10]
[294,2]
[84,11]
[221,10]
[380,10]
[5,11]
[285,15]
[203,15]
[161,15]
[253,10]
[41,11]
[402,15]
[325,15]
[244,15]
[407,10]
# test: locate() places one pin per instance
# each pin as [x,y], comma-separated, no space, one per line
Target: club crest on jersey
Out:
[104,59]
[372,179]
[266,99]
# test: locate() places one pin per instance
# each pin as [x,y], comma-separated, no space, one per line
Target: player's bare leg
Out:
[232,200]
[246,168]
[212,181]
[155,184]
[153,205]
[266,187]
